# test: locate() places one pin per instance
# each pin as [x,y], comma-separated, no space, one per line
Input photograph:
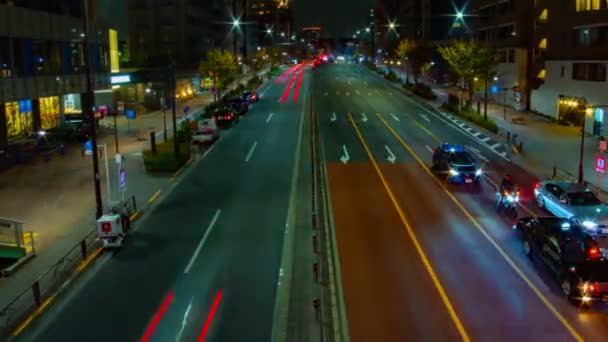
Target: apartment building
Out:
[181,30]
[272,22]
[572,38]
[506,25]
[41,67]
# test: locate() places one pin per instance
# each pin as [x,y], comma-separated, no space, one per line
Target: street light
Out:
[459,15]
[236,23]
[367,29]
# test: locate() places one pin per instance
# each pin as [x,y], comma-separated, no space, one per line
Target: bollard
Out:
[315,272]
[83,249]
[36,293]
[508,136]
[521,146]
[316,304]
[62,149]
[153,142]
[47,156]
[554,172]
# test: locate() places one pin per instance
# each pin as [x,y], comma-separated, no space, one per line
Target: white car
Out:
[207,132]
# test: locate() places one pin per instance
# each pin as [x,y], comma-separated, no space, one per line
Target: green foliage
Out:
[472,116]
[275,70]
[423,91]
[274,54]
[184,132]
[254,83]
[416,55]
[258,60]
[220,66]
[390,75]
[165,160]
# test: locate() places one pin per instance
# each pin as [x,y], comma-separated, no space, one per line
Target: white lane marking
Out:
[358,92]
[365,83]
[428,148]
[495,145]
[325,94]
[394,117]
[333,117]
[391,156]
[378,91]
[202,242]
[137,154]
[347,93]
[477,153]
[369,94]
[345,156]
[250,153]
[425,118]
[269,117]
[363,117]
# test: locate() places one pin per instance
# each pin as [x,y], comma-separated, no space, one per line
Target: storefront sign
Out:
[120,107]
[600,164]
[120,79]
[88,147]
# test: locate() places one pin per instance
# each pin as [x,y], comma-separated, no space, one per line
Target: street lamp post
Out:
[582,148]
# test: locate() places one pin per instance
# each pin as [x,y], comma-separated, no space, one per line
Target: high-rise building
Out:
[507,27]
[181,30]
[432,20]
[41,68]
[272,22]
[570,54]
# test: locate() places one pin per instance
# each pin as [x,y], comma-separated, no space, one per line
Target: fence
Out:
[47,285]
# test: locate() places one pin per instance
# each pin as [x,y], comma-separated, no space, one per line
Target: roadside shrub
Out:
[453,100]
[254,83]
[424,91]
[165,160]
[275,70]
[391,76]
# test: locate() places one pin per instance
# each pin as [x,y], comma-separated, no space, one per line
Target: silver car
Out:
[573,201]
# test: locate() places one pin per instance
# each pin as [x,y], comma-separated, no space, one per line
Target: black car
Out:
[238,105]
[572,256]
[251,96]
[224,115]
[456,164]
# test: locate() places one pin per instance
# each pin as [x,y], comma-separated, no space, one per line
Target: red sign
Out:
[106,227]
[600,164]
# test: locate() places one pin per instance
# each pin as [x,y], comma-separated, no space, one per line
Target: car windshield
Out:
[460,158]
[583,198]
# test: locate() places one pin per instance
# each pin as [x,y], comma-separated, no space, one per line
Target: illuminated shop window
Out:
[19,120]
[49,112]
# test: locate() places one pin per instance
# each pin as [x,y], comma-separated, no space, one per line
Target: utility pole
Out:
[172,81]
[88,110]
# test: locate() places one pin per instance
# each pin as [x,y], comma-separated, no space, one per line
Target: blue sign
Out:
[88,147]
[494,89]
[25,106]
[122,179]
[186,109]
[130,114]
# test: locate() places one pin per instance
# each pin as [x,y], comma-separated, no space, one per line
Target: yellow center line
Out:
[155,196]
[441,141]
[506,257]
[412,235]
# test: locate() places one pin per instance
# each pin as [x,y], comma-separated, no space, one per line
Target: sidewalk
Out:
[56,200]
[545,143]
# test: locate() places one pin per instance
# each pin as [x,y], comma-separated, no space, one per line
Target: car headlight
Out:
[478,172]
[453,172]
[510,198]
[589,224]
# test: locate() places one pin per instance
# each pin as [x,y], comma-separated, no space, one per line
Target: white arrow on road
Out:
[369,94]
[325,94]
[345,156]
[395,117]
[358,92]
[364,117]
[269,117]
[425,118]
[333,117]
[391,156]
[347,94]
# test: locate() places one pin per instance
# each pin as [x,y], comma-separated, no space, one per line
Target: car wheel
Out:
[567,288]
[540,202]
[527,248]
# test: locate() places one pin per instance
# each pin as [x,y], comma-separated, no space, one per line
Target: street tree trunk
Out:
[485,99]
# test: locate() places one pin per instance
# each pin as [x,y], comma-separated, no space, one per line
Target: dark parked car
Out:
[224,115]
[251,96]
[238,105]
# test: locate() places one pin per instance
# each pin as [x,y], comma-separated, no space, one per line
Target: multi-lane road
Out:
[204,263]
[419,260]
[422,260]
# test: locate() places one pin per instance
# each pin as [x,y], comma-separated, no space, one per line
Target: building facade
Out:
[572,37]
[272,22]
[179,30]
[506,25]
[41,70]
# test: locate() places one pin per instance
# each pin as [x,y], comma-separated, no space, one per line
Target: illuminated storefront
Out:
[49,112]
[19,119]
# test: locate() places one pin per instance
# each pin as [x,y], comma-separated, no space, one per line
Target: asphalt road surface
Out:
[420,259]
[204,263]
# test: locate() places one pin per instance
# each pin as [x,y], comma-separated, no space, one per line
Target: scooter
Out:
[509,203]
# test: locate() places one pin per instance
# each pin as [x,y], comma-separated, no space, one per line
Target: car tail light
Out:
[594,253]
[213,117]
[227,116]
[207,131]
[537,185]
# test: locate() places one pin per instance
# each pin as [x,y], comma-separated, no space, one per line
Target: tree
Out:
[469,60]
[274,55]
[415,53]
[258,60]
[221,67]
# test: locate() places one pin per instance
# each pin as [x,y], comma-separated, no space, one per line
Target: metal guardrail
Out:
[48,284]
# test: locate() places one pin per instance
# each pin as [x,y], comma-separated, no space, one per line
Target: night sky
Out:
[337,17]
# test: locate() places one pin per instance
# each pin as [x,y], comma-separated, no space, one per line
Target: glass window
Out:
[583,198]
[591,5]
[49,112]
[460,158]
[19,119]
[595,72]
